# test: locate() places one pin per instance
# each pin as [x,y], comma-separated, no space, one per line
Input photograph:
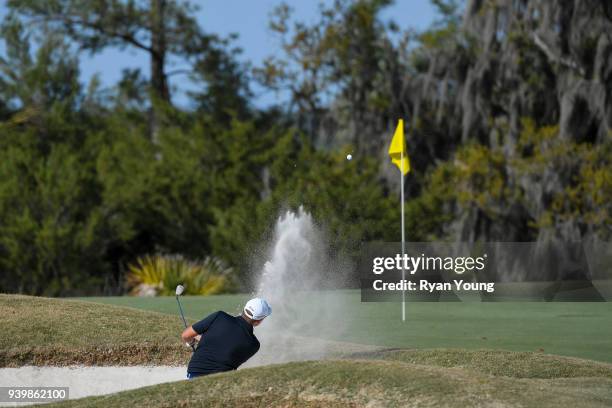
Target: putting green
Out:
[563,328]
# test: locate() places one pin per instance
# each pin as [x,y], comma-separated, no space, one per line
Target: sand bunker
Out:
[86,381]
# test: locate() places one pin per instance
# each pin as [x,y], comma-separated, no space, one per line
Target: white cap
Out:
[257,309]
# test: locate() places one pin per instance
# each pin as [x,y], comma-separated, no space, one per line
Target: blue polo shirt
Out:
[227,342]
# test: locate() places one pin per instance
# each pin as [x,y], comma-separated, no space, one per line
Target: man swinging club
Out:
[225,342]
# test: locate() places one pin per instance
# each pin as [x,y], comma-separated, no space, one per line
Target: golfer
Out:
[224,341]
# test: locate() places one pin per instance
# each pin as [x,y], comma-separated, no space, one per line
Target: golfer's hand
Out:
[190,336]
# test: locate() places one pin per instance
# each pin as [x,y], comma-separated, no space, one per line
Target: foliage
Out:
[344,197]
[93,178]
[161,274]
[47,78]
[575,179]
[431,210]
[449,12]
[164,31]
[53,228]
[583,170]
[345,56]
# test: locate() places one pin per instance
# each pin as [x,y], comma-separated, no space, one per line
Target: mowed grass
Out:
[563,328]
[44,331]
[406,378]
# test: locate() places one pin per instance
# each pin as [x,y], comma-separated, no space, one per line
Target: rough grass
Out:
[390,382]
[500,363]
[44,331]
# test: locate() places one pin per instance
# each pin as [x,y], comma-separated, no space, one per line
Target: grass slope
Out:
[43,331]
[414,378]
[563,328]
[53,331]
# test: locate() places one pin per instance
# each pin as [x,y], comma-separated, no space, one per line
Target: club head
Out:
[179,290]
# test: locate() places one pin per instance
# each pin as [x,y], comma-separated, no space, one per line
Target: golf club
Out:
[179,291]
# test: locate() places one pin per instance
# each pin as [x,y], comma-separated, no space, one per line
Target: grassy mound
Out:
[60,332]
[44,331]
[500,363]
[387,382]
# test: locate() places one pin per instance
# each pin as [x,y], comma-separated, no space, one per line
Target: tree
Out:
[36,81]
[343,66]
[54,233]
[226,91]
[164,30]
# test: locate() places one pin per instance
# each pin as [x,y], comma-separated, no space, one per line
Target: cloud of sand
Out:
[298,267]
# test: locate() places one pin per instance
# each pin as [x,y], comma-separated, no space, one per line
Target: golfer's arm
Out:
[189,334]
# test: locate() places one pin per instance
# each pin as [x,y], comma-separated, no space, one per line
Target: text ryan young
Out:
[424,285]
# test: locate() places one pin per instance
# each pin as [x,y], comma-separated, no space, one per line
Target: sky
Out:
[249,19]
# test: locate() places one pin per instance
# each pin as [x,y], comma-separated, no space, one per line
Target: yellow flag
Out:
[397,150]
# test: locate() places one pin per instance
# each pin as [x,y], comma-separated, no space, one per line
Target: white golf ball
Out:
[349,156]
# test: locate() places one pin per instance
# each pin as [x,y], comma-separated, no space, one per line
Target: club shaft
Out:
[181,310]
[183,317]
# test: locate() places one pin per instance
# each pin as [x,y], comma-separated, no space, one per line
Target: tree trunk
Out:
[159,83]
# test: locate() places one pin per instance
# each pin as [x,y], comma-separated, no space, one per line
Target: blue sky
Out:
[249,19]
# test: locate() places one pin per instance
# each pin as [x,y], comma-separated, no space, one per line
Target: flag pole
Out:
[398,148]
[403,237]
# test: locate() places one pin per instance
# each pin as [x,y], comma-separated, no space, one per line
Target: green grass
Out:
[389,379]
[564,328]
[44,331]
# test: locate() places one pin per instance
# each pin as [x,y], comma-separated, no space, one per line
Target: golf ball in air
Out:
[349,156]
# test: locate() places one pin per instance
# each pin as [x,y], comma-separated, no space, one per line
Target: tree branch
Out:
[556,58]
[179,72]
[124,36]
[608,14]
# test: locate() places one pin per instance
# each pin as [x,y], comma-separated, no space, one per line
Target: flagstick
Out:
[403,238]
